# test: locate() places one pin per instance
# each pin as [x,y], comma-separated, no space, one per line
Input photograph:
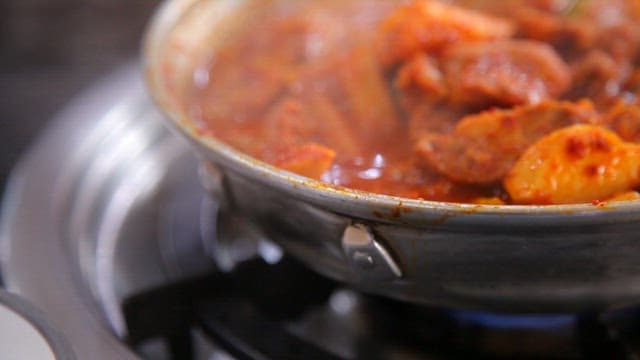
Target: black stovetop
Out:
[285,311]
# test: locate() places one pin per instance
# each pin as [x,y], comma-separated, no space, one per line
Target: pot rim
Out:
[378,207]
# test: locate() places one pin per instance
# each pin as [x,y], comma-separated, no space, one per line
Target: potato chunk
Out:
[577,164]
[428,25]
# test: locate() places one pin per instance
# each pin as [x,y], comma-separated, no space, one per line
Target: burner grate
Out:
[285,311]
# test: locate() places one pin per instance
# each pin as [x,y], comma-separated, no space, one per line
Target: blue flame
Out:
[509,321]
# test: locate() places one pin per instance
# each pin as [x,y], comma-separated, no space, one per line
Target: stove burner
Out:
[514,322]
[284,311]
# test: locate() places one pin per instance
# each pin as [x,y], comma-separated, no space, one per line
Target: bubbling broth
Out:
[487,102]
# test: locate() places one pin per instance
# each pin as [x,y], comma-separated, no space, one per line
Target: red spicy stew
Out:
[491,102]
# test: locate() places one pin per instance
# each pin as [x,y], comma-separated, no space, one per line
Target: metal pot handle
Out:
[229,238]
[367,256]
[232,238]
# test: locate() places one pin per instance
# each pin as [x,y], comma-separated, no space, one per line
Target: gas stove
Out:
[107,230]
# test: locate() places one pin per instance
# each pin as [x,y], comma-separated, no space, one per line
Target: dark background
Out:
[50,50]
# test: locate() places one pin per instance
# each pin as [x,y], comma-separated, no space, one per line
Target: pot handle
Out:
[367,256]
[229,238]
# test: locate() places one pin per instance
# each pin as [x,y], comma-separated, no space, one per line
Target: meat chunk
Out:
[310,160]
[507,8]
[333,127]
[483,147]
[624,119]
[347,100]
[616,26]
[428,117]
[294,121]
[422,95]
[421,76]
[504,73]
[577,164]
[567,35]
[607,25]
[552,6]
[622,41]
[599,77]
[239,91]
[368,99]
[287,123]
[429,26]
[632,84]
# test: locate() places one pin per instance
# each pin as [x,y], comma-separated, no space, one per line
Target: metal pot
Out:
[501,258]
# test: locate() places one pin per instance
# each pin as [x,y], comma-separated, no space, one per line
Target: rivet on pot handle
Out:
[368,257]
